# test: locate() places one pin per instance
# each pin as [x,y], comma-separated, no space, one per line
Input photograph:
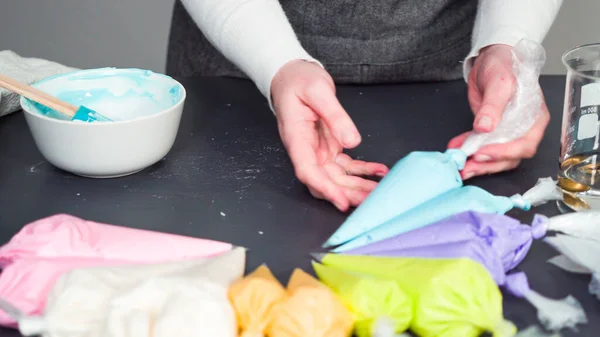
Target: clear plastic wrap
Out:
[525,106]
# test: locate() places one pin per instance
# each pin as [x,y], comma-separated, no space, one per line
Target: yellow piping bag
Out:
[452,297]
[311,309]
[253,299]
[369,299]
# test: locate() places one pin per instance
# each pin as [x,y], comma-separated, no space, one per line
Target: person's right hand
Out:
[315,128]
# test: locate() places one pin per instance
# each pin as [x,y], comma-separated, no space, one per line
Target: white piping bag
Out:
[157,307]
[565,263]
[579,224]
[81,301]
[583,252]
[177,306]
[580,256]
[524,107]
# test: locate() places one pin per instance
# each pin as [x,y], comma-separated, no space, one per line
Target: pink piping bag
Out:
[498,242]
[421,176]
[467,198]
[64,235]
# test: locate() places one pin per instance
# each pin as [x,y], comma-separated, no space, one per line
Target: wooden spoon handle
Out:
[38,96]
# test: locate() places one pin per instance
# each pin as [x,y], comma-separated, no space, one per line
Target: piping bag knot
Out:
[520,202]
[517,284]
[255,332]
[28,325]
[594,286]
[459,157]
[504,329]
[544,190]
[539,226]
[32,325]
[552,314]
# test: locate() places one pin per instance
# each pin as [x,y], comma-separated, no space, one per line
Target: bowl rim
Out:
[104,124]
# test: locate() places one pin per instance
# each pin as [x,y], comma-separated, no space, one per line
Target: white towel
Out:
[26,70]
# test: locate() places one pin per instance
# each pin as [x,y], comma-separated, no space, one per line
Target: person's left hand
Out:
[491,85]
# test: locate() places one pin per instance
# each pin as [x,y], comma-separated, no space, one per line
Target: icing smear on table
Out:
[119,94]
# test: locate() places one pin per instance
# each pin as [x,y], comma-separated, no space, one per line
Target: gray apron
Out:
[358,42]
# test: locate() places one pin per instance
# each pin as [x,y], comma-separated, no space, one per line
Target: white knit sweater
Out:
[257,37]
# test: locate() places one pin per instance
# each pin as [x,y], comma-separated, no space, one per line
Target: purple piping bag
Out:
[509,238]
[476,250]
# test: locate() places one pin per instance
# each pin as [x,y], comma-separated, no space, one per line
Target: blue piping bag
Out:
[467,198]
[397,193]
[422,176]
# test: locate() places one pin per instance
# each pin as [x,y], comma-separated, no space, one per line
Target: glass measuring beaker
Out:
[579,163]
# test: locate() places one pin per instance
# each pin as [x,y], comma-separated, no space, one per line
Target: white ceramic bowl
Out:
[146,108]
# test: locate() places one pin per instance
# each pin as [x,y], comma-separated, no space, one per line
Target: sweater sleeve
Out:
[255,35]
[509,21]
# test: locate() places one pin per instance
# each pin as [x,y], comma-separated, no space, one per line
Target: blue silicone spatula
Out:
[80,113]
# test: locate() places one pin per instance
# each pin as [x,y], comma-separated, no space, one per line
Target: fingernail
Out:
[468,175]
[349,138]
[482,157]
[381,174]
[484,123]
[338,206]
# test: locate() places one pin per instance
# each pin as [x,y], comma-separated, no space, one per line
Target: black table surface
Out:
[228,178]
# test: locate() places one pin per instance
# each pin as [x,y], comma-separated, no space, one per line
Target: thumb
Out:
[320,97]
[497,87]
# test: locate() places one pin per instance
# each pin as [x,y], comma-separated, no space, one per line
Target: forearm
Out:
[508,21]
[255,35]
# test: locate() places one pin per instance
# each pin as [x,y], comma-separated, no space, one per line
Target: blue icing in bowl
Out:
[119,94]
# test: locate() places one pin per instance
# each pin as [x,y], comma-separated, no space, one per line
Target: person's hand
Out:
[315,128]
[491,86]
